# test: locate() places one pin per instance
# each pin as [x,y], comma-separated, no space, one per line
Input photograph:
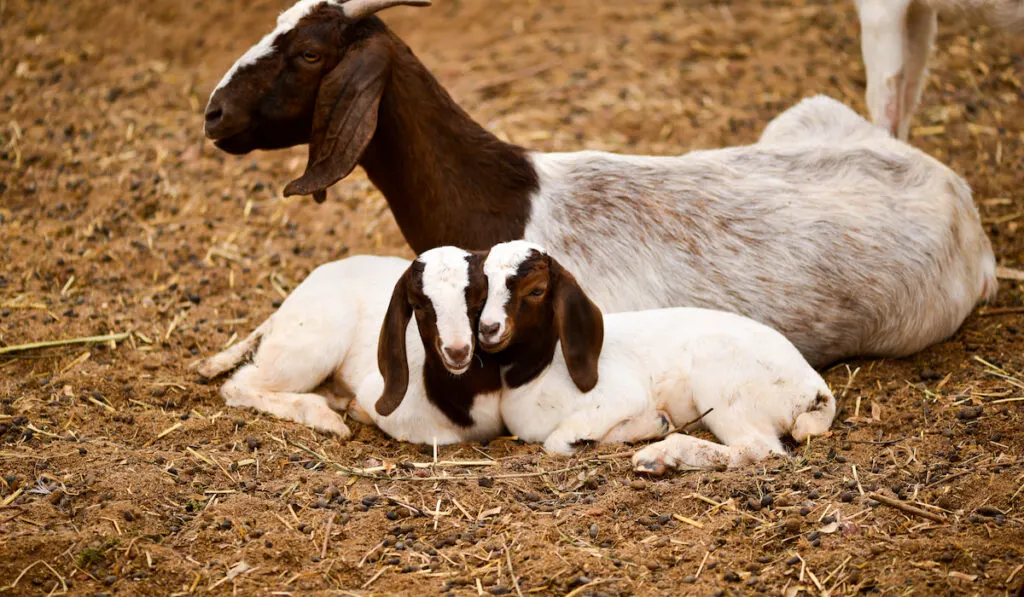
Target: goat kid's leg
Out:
[685,450]
[922,23]
[245,389]
[883,33]
[230,357]
[592,426]
[649,425]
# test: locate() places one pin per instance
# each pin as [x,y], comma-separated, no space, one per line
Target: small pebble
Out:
[989,511]
[593,531]
[253,444]
[732,577]
[969,413]
[638,484]
[848,496]
[486,482]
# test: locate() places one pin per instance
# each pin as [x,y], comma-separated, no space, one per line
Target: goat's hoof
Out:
[649,467]
[204,368]
[664,422]
[583,443]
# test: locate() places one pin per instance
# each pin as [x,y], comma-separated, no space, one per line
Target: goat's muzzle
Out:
[457,359]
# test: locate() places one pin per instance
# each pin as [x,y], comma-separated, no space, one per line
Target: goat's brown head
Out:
[445,288]
[317,78]
[532,299]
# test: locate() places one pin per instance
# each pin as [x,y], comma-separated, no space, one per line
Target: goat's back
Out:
[861,245]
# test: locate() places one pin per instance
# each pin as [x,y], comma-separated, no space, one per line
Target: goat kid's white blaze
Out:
[445,279]
[285,23]
[502,262]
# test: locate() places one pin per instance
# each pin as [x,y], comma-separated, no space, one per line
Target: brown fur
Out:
[562,313]
[368,100]
[452,395]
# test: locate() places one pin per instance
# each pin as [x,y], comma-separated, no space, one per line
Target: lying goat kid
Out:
[894,232]
[324,338]
[656,368]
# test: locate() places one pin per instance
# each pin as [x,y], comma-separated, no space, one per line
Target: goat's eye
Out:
[311,57]
[537,292]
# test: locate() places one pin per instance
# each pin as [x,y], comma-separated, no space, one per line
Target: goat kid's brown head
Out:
[445,288]
[531,298]
[317,78]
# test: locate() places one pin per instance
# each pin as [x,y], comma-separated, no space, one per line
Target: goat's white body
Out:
[896,42]
[324,336]
[845,240]
[678,362]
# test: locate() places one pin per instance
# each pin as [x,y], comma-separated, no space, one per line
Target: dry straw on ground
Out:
[123,474]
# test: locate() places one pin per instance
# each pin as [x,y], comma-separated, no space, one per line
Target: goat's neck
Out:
[454,395]
[448,181]
[523,361]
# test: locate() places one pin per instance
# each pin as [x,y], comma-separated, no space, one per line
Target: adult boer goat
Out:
[843,239]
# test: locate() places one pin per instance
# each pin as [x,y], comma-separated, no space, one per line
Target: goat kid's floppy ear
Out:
[580,327]
[344,118]
[391,356]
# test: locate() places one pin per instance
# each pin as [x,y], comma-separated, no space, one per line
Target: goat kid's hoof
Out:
[649,467]
[204,368]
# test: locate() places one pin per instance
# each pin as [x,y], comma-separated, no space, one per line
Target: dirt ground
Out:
[124,474]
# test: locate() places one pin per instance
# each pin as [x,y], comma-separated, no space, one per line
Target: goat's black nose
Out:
[214,114]
[489,329]
[457,354]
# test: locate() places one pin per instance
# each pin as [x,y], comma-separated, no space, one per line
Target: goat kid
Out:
[752,230]
[897,37]
[656,367]
[327,341]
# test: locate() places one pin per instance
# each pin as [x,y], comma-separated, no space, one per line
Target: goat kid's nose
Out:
[457,354]
[489,329]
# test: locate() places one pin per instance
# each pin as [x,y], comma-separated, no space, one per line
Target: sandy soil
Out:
[124,474]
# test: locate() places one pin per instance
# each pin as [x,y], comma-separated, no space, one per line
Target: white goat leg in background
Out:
[883,31]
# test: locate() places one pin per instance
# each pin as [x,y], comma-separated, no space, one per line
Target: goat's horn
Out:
[360,9]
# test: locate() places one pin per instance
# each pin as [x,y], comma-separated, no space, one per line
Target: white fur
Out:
[845,240]
[896,42]
[445,278]
[502,262]
[322,341]
[668,366]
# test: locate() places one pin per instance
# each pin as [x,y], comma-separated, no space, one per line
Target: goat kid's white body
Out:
[821,183]
[680,362]
[322,341]
[896,42]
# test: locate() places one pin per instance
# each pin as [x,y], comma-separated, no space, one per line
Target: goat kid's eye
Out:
[311,57]
[537,292]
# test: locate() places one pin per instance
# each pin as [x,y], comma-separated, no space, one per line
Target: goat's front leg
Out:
[882,39]
[685,450]
[597,425]
[248,388]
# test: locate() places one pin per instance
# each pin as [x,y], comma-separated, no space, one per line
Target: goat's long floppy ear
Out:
[345,117]
[580,327]
[391,356]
